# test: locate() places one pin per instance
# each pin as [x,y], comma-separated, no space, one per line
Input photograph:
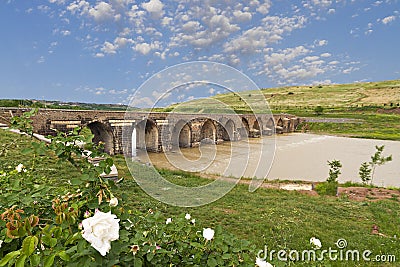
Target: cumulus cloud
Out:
[102,11]
[388,19]
[154,7]
[145,48]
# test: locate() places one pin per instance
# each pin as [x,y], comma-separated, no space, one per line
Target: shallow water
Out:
[295,156]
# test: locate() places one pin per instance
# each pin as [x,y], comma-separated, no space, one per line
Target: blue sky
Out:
[102,51]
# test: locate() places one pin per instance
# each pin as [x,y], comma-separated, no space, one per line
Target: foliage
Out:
[377,160]
[330,187]
[40,223]
[318,110]
[334,171]
[367,169]
[365,172]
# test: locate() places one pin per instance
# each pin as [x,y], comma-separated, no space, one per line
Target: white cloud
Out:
[41,60]
[145,48]
[154,7]
[65,32]
[388,19]
[256,38]
[264,8]
[191,26]
[321,42]
[326,55]
[109,48]
[102,11]
[241,16]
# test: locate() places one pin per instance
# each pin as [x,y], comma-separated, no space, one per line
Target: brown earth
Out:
[369,194]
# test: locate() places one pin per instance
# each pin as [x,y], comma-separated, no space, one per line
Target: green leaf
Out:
[53,242]
[150,256]
[212,262]
[21,261]
[9,257]
[34,260]
[26,151]
[48,262]
[226,256]
[137,262]
[76,181]
[29,244]
[63,255]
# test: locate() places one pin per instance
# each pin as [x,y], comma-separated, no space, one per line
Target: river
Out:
[296,156]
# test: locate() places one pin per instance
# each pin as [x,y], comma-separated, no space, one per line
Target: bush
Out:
[84,223]
[327,188]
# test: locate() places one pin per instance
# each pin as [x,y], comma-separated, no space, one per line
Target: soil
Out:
[369,194]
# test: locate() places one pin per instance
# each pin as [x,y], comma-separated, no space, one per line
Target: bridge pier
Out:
[125,132]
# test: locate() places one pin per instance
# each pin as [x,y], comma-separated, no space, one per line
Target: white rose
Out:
[100,230]
[208,233]
[113,202]
[187,216]
[262,263]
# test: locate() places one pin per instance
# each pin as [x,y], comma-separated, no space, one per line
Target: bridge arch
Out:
[102,133]
[228,131]
[182,134]
[256,125]
[147,135]
[245,132]
[208,132]
[270,124]
[279,126]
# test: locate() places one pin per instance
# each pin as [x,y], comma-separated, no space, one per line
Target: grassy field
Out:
[273,218]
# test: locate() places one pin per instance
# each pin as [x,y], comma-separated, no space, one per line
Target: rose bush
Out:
[83,220]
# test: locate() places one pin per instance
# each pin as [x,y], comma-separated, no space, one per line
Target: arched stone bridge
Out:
[124,132]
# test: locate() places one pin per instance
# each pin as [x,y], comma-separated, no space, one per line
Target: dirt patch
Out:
[388,111]
[369,194]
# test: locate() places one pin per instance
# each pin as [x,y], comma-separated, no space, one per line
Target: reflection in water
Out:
[297,157]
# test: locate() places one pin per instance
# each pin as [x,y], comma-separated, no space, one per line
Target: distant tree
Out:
[319,110]
[377,160]
[334,171]
[365,172]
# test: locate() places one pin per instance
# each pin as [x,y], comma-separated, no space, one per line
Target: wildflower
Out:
[86,214]
[187,216]
[208,233]
[20,168]
[169,220]
[134,249]
[193,221]
[113,202]
[315,242]
[100,230]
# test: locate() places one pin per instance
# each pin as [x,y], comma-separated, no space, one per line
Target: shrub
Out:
[84,223]
[330,187]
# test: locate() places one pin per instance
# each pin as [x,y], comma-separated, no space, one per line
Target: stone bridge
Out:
[124,132]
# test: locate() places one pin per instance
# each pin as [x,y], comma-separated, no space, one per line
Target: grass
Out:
[274,218]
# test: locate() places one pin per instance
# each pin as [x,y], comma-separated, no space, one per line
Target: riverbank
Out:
[297,156]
